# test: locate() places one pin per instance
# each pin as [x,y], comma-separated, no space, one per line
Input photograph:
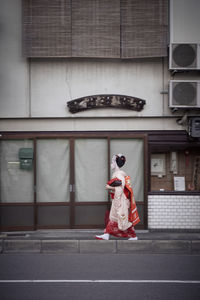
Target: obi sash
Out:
[133,213]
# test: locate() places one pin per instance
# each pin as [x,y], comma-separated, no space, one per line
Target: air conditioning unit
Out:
[184,56]
[184,94]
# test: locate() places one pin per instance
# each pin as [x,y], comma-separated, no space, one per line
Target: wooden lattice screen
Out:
[47,28]
[144,28]
[95,28]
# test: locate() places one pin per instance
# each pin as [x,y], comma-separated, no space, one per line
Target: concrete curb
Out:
[21,246]
[98,246]
[101,247]
[181,247]
[60,246]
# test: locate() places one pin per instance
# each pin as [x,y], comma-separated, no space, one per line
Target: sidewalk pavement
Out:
[83,241]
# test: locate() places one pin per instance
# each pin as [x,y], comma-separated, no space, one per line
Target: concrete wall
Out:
[82,124]
[14,76]
[41,87]
[54,82]
[184,21]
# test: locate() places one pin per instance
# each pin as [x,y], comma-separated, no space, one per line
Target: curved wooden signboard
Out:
[102,101]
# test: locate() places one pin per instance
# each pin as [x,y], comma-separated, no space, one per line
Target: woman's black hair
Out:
[120,160]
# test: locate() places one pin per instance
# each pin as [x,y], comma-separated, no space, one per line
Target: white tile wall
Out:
[173,212]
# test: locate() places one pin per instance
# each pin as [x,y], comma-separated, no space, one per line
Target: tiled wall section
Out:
[173,212]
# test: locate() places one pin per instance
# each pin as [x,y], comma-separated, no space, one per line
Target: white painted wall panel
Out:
[48,88]
[14,92]
[53,83]
[82,124]
[184,21]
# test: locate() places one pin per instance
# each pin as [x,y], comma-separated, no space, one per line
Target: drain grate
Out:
[17,235]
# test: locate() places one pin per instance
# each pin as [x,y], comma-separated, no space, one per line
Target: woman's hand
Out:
[108,187]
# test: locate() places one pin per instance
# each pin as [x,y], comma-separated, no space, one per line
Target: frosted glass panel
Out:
[53,170]
[16,184]
[91,170]
[132,149]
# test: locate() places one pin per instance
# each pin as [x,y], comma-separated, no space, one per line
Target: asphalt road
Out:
[95,277]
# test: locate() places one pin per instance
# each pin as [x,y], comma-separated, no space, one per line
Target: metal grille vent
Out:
[184,56]
[184,93]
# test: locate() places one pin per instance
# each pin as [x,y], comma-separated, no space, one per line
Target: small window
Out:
[176,171]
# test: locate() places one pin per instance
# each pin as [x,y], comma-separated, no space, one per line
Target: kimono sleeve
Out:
[119,190]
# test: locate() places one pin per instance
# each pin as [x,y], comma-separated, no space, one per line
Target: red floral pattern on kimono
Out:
[112,228]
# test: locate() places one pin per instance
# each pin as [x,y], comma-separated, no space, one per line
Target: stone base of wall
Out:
[173,212]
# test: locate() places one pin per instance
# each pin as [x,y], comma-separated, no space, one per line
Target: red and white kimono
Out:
[123,214]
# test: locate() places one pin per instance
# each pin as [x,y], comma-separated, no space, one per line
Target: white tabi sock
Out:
[133,239]
[104,236]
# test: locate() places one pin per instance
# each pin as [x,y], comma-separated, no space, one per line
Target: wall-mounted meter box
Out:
[26,158]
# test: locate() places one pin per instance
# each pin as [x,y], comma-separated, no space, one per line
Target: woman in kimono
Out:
[123,214]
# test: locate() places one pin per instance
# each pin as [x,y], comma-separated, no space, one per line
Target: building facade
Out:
[84,80]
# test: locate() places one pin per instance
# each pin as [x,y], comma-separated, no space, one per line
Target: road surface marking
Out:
[97,281]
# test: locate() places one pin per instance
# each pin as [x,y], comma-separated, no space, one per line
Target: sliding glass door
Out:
[133,150]
[91,173]
[65,185]
[16,186]
[52,182]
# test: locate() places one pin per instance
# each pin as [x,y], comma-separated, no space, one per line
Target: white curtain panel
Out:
[16,185]
[91,165]
[132,149]
[53,170]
